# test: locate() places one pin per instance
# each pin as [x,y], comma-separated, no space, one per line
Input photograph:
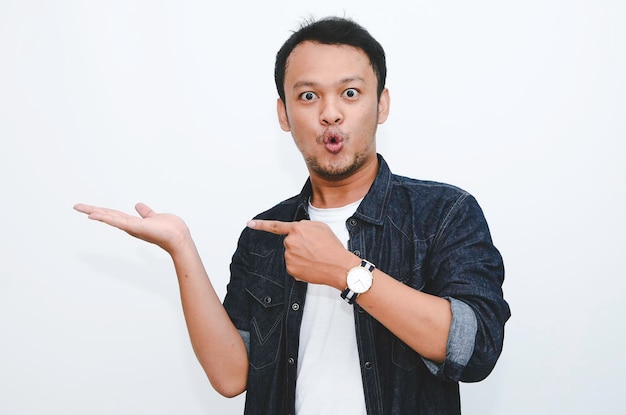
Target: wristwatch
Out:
[359,281]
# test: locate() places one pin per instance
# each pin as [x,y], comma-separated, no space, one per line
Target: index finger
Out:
[273,226]
[83,208]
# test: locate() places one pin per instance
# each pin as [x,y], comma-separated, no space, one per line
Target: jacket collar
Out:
[372,208]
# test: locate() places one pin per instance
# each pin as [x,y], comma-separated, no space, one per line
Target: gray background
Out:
[172,103]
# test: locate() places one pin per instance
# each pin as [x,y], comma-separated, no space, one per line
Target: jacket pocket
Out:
[403,356]
[266,324]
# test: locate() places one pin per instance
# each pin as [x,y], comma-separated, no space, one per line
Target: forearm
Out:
[420,320]
[215,340]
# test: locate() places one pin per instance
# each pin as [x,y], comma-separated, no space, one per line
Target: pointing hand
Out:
[312,251]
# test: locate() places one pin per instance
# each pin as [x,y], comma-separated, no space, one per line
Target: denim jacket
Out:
[430,236]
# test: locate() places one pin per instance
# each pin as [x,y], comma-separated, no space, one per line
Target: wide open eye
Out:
[308,96]
[351,93]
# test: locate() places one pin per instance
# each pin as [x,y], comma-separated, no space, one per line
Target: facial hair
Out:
[336,170]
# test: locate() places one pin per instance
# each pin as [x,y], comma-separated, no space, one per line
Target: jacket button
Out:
[291,361]
[357,253]
[352,222]
[368,365]
[267,300]
[295,306]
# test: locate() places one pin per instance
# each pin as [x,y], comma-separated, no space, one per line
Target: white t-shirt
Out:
[329,374]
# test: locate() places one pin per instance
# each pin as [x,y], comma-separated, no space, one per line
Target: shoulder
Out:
[283,211]
[431,205]
[396,185]
[427,191]
[261,244]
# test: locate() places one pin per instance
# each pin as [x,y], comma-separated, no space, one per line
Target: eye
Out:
[351,93]
[308,96]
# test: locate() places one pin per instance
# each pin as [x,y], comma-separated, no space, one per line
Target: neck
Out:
[333,194]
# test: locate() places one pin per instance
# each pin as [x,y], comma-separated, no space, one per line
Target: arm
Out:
[215,340]
[458,323]
[314,254]
[420,320]
[465,266]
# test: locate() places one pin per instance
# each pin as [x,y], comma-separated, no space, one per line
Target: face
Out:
[331,108]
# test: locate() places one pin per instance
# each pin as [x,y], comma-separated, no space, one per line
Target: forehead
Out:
[316,62]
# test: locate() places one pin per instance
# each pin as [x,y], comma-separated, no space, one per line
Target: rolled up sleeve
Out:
[461,339]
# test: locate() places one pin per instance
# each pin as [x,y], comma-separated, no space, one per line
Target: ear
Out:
[281,110]
[383,106]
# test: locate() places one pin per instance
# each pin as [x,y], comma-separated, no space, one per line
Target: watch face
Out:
[359,280]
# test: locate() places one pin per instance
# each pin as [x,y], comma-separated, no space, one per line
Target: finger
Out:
[92,210]
[273,226]
[83,208]
[144,210]
[109,216]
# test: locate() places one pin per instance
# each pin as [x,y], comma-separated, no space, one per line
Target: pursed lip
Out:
[333,141]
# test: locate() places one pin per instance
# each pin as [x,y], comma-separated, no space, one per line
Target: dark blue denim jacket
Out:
[430,236]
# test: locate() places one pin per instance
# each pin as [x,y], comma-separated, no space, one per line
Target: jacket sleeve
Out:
[467,269]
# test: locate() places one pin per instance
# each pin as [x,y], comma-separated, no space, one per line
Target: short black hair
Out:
[332,31]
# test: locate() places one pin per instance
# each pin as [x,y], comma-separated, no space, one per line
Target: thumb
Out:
[144,210]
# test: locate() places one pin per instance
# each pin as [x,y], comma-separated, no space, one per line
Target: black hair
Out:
[332,31]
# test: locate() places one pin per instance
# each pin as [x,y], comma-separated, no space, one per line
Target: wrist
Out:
[182,246]
[346,263]
[359,280]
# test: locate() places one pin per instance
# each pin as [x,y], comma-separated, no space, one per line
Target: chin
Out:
[336,171]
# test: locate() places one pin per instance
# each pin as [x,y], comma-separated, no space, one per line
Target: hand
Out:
[165,230]
[312,251]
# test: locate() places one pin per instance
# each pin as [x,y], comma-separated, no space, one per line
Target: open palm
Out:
[163,229]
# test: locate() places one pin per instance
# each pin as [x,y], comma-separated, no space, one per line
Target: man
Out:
[367,293]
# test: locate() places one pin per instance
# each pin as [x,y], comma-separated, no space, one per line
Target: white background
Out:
[172,103]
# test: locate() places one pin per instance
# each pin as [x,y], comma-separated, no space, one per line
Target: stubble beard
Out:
[338,170]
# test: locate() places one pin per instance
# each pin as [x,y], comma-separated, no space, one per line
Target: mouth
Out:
[333,141]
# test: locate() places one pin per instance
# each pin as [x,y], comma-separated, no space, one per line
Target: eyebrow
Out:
[302,84]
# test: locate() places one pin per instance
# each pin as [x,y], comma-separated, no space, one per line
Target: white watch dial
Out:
[359,280]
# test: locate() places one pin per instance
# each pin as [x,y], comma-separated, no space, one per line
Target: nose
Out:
[331,112]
